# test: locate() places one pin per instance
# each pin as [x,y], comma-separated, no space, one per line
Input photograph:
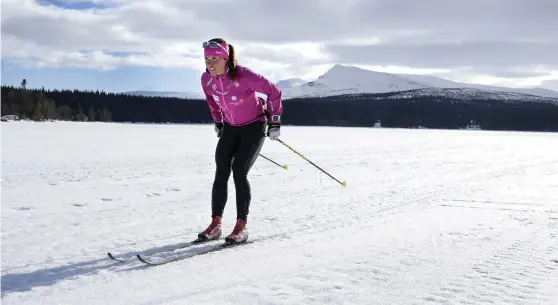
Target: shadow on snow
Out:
[20,282]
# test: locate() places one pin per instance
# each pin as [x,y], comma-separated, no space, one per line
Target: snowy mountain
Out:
[289,83]
[342,79]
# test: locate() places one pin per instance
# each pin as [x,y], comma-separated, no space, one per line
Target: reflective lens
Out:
[211,44]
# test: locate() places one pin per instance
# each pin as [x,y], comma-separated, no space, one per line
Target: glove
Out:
[273,130]
[218,129]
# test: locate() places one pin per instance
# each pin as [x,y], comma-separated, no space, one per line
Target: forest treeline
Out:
[362,110]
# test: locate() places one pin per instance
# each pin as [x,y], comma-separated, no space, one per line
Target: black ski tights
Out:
[237,150]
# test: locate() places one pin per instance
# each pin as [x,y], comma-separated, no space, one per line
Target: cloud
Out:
[291,21]
[513,39]
[551,84]
[489,55]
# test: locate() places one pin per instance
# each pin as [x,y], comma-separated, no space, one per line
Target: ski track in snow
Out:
[428,217]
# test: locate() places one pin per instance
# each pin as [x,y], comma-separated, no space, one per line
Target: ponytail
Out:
[232,63]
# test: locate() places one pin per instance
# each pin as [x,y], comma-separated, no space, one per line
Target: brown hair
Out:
[231,62]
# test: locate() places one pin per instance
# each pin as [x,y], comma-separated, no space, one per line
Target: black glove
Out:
[218,129]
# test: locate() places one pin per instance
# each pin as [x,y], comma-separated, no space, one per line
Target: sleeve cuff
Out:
[275,118]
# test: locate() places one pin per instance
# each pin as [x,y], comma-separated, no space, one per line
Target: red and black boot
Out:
[213,231]
[239,233]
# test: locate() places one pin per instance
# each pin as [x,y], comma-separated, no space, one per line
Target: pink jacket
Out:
[237,103]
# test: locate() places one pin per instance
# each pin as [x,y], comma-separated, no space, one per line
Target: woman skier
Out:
[240,120]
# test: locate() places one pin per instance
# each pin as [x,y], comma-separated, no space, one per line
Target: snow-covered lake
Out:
[427,217]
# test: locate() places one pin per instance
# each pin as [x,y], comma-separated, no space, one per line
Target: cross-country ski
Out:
[170,249]
[170,259]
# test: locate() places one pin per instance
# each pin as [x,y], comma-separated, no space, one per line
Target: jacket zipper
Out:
[224,101]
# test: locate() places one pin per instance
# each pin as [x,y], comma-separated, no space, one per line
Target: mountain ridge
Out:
[342,79]
[346,79]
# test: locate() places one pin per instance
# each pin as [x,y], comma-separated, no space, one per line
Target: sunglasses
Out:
[211,44]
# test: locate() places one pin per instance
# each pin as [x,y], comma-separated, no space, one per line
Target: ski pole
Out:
[283,166]
[344,183]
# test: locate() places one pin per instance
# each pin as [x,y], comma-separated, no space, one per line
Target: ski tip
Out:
[114,258]
[142,260]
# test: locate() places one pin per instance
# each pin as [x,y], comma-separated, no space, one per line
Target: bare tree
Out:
[65,112]
[106,115]
[6,109]
[49,108]
[91,113]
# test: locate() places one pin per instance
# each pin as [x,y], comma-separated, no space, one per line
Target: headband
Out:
[212,48]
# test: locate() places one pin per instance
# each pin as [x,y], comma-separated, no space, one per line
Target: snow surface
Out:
[428,217]
[342,79]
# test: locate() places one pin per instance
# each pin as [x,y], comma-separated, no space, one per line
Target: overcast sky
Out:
[135,44]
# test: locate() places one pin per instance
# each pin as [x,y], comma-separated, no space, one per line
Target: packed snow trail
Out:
[428,217]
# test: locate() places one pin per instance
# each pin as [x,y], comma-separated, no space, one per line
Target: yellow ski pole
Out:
[283,166]
[344,183]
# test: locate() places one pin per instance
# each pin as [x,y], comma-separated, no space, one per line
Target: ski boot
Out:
[239,233]
[213,231]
